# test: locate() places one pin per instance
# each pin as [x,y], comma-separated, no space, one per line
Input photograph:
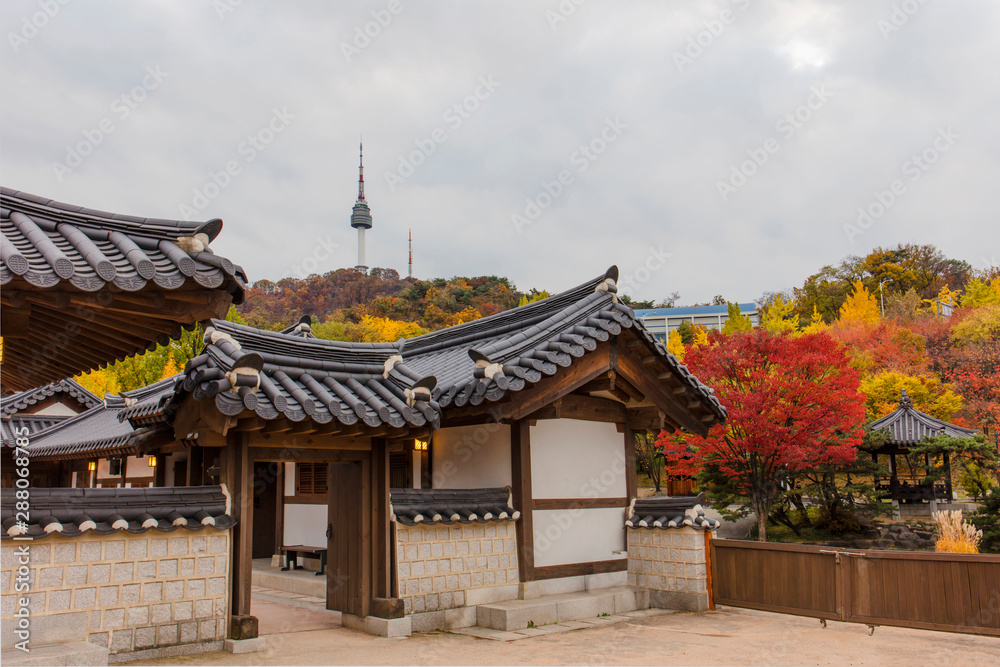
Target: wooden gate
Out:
[931,591]
[348,576]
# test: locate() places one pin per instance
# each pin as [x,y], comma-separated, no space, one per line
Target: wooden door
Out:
[265,506]
[349,538]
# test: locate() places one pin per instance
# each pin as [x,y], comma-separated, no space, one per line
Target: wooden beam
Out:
[579,569]
[584,408]
[582,371]
[520,470]
[302,454]
[678,412]
[577,503]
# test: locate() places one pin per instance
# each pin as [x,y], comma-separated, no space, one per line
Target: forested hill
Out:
[346,296]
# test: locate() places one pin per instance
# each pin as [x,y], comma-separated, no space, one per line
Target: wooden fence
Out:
[913,589]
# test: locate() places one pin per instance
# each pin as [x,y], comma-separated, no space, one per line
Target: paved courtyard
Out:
[300,632]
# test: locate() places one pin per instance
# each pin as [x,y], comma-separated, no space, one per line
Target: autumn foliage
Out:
[793,404]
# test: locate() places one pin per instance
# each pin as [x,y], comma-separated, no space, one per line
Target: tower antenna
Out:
[410,273]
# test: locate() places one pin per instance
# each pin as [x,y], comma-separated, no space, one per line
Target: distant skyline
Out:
[724,147]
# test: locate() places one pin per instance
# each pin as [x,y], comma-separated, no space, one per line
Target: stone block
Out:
[157,548]
[84,597]
[114,550]
[184,610]
[206,565]
[424,551]
[217,586]
[179,546]
[481,596]
[173,590]
[146,569]
[166,635]
[100,574]
[188,632]
[99,639]
[432,602]
[64,553]
[121,640]
[382,627]
[59,600]
[145,637]
[113,618]
[76,575]
[124,571]
[681,600]
[168,568]
[108,595]
[403,569]
[196,588]
[245,645]
[131,593]
[49,577]
[152,591]
[202,609]
[461,617]
[199,545]
[186,567]
[428,621]
[218,545]
[137,616]
[137,548]
[160,613]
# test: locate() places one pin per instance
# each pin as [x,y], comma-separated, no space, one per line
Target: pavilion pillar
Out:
[947,475]
[196,466]
[237,475]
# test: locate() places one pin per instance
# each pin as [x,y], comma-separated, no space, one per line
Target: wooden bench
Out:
[292,554]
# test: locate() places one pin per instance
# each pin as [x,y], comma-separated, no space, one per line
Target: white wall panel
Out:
[578,536]
[471,457]
[571,458]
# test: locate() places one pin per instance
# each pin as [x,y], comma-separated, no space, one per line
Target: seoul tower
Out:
[361,218]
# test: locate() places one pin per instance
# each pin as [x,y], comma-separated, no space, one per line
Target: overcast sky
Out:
[710,147]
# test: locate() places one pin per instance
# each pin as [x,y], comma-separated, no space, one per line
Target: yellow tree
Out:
[816,323]
[675,345]
[100,381]
[882,391]
[981,293]
[780,316]
[860,306]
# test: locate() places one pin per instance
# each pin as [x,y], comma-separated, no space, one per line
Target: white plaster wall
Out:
[471,457]
[577,459]
[139,467]
[578,536]
[289,479]
[57,410]
[305,524]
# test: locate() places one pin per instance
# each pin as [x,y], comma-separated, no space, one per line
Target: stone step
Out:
[70,653]
[583,605]
[302,582]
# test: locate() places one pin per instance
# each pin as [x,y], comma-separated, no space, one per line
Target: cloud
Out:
[655,186]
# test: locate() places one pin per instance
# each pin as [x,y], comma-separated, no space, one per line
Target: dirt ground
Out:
[728,636]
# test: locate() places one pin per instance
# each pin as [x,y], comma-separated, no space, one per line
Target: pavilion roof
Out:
[909,426]
[82,288]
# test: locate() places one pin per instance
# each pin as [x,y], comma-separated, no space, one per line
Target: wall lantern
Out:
[152,461]
[420,444]
[92,466]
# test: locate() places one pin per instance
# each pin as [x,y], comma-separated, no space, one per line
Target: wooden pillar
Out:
[196,466]
[381,547]
[520,471]
[279,514]
[160,473]
[237,475]
[947,475]
[124,471]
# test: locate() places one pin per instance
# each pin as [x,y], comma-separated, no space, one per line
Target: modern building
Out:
[661,321]
[361,217]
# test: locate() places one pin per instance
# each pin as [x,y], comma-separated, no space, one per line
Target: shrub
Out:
[955,535]
[987,520]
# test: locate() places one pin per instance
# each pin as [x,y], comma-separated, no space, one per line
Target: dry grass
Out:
[955,535]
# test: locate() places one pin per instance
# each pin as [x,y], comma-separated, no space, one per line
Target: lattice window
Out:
[310,478]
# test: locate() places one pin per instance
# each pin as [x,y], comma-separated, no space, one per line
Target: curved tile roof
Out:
[82,288]
[909,426]
[669,512]
[297,376]
[21,401]
[486,358]
[71,512]
[413,507]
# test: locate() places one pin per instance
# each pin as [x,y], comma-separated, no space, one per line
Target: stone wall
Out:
[446,567]
[136,594]
[672,563]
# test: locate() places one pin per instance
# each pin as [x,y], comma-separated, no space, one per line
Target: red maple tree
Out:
[793,404]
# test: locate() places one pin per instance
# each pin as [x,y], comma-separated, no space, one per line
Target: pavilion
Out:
[906,427]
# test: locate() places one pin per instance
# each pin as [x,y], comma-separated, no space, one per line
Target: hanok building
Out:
[906,427]
[513,432]
[82,288]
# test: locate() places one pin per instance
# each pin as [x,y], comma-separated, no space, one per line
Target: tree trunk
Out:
[761,522]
